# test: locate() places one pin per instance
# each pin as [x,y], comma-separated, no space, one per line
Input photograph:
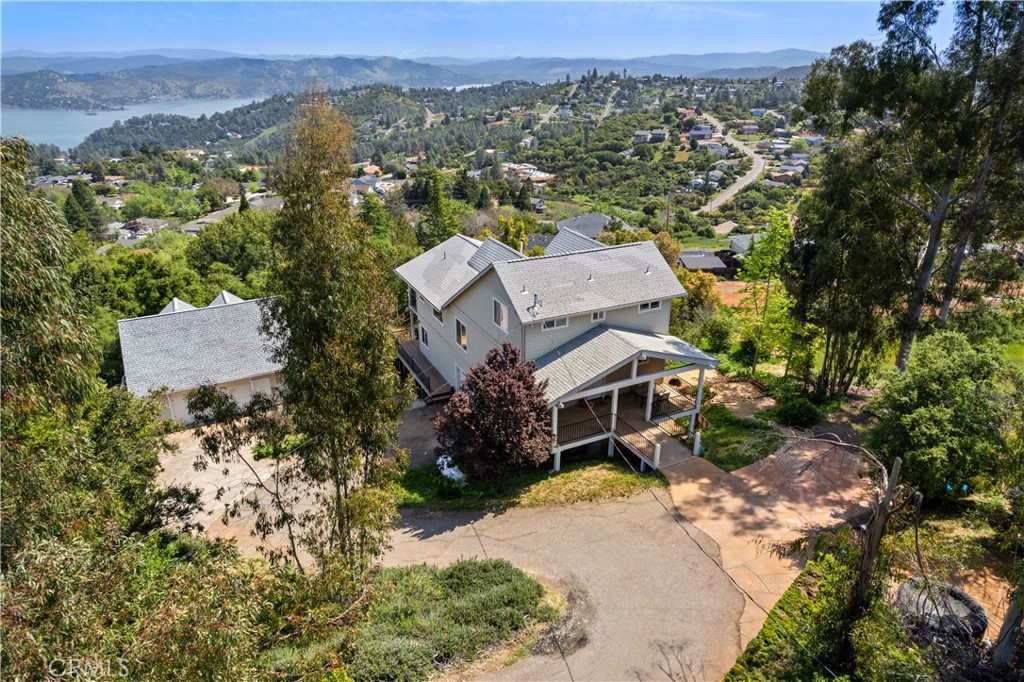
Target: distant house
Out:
[589,225]
[740,244]
[772,183]
[701,132]
[757,113]
[750,129]
[535,240]
[793,170]
[700,260]
[685,112]
[716,148]
[183,347]
[538,204]
[371,170]
[641,136]
[781,133]
[814,140]
[725,164]
[366,183]
[659,135]
[783,178]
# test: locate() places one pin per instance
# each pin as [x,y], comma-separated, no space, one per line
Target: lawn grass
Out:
[1015,353]
[425,618]
[731,442]
[585,481]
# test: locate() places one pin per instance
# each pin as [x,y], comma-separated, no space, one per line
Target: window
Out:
[597,317]
[556,323]
[500,315]
[438,315]
[651,305]
[460,334]
[424,337]
[412,299]
[459,377]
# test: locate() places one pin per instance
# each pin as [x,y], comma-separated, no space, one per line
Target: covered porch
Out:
[618,386]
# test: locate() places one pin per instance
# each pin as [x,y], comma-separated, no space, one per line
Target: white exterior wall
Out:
[539,342]
[474,308]
[176,403]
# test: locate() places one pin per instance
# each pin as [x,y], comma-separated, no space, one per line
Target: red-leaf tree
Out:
[498,421]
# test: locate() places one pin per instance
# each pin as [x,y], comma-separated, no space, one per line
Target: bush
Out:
[428,616]
[718,332]
[797,411]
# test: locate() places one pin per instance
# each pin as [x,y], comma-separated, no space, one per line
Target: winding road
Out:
[752,175]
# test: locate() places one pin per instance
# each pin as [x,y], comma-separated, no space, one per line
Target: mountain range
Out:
[108,80]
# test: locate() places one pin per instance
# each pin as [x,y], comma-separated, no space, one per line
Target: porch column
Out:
[700,393]
[615,411]
[632,371]
[650,400]
[554,431]
[412,313]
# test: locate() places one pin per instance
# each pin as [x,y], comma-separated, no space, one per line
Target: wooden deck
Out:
[429,379]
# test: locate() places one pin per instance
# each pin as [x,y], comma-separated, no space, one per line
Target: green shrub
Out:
[882,649]
[427,615]
[797,412]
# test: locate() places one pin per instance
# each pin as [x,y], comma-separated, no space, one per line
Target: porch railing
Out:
[669,403]
[583,429]
[636,440]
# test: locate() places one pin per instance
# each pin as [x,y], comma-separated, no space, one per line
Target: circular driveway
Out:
[659,607]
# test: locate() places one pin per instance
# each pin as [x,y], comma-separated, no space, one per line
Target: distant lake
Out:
[68,129]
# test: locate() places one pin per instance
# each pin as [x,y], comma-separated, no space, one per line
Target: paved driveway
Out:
[658,605]
[732,190]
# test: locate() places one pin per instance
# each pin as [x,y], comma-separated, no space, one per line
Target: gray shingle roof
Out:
[223,298]
[442,271]
[589,225]
[186,349]
[576,283]
[741,243]
[491,250]
[176,305]
[569,240]
[701,262]
[592,354]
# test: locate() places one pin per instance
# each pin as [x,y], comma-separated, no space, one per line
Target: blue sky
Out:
[458,29]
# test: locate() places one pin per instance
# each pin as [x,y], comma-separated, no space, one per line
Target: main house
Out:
[593,318]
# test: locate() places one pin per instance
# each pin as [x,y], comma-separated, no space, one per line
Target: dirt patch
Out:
[568,633]
[729,292]
[740,397]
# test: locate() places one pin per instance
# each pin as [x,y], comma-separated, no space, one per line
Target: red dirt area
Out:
[729,292]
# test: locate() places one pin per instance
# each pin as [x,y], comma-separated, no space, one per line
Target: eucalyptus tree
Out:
[942,126]
[850,267]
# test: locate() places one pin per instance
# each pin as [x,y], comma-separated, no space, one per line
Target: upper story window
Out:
[649,306]
[424,337]
[500,316]
[461,337]
[412,299]
[597,317]
[555,323]
[438,315]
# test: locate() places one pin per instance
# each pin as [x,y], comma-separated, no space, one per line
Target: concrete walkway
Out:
[752,513]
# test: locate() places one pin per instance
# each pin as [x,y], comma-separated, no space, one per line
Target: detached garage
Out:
[184,347]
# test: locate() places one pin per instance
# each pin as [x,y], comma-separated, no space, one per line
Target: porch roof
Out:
[588,357]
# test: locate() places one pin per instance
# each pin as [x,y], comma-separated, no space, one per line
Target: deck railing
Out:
[625,432]
[410,362]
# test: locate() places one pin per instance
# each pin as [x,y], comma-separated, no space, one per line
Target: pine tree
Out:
[243,201]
